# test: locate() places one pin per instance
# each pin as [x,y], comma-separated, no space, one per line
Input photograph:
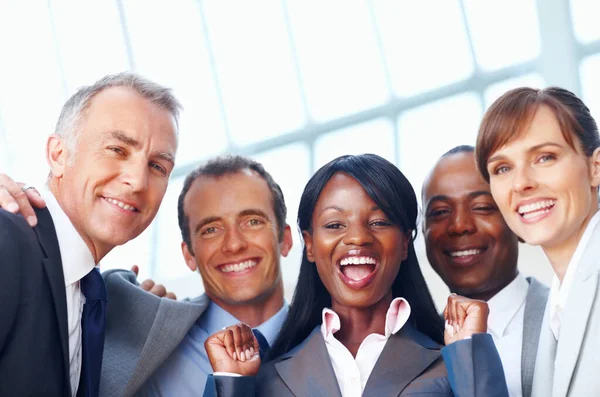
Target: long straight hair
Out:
[393,193]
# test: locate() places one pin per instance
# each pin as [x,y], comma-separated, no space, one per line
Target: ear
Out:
[405,241]
[286,243]
[308,243]
[56,155]
[190,259]
[595,167]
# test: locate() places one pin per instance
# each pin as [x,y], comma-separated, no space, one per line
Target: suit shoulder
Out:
[14,230]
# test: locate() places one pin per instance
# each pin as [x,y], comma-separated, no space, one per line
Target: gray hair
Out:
[74,110]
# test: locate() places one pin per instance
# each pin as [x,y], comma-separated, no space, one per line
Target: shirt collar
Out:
[76,257]
[215,318]
[505,305]
[560,292]
[395,318]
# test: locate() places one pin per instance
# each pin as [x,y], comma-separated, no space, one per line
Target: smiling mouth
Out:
[238,267]
[532,210]
[466,257]
[463,253]
[120,204]
[357,268]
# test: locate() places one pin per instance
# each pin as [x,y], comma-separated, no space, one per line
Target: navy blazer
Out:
[411,364]
[34,343]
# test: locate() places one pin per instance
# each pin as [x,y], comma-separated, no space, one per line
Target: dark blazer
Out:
[410,364]
[33,309]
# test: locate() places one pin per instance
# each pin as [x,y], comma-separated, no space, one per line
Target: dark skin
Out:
[468,242]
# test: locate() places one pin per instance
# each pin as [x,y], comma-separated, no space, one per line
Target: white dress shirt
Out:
[505,325]
[560,292]
[77,261]
[352,373]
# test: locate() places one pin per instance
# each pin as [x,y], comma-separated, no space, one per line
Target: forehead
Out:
[344,191]
[455,175]
[123,109]
[228,195]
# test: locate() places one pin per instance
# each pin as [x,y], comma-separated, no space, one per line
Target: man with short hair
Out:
[472,249]
[110,159]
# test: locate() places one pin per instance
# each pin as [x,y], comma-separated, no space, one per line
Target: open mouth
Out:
[238,267]
[358,268]
[534,210]
[466,256]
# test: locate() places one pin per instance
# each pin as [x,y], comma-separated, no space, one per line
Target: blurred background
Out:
[293,84]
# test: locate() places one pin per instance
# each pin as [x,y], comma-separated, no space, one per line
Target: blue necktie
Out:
[93,322]
[263,343]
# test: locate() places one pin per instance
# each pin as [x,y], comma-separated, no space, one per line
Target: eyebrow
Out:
[123,137]
[211,219]
[531,149]
[443,197]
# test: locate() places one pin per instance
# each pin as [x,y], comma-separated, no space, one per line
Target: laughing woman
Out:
[362,322]
[539,149]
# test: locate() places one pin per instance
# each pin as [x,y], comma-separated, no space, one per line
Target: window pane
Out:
[88,50]
[375,136]
[423,49]
[496,90]
[173,52]
[255,68]
[169,260]
[585,15]
[340,62]
[590,83]
[429,131]
[504,33]
[31,88]
[291,177]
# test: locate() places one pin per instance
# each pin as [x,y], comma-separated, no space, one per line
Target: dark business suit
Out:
[33,310]
[410,364]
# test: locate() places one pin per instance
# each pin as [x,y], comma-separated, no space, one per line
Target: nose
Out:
[234,241]
[135,175]
[523,179]
[358,235]
[461,222]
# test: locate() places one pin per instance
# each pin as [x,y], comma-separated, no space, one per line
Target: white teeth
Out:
[546,205]
[120,204]
[465,252]
[358,260]
[238,267]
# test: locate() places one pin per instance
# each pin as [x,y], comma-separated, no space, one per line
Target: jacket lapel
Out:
[535,303]
[307,370]
[172,322]
[576,314]
[53,266]
[402,360]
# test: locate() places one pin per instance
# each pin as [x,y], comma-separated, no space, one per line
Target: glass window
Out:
[255,68]
[495,91]
[590,84]
[88,50]
[429,131]
[290,168]
[31,87]
[585,15]
[375,136]
[169,46]
[504,33]
[439,56]
[168,261]
[340,62]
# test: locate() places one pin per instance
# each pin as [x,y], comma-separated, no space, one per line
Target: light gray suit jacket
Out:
[571,367]
[537,295]
[142,330]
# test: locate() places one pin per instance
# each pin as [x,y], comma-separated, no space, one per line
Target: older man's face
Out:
[113,187]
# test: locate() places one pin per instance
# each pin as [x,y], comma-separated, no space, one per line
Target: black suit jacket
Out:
[33,310]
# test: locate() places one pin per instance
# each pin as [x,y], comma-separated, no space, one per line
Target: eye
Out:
[501,169]
[486,208]
[334,225]
[256,222]
[546,158]
[438,212]
[380,223]
[162,170]
[118,150]
[208,231]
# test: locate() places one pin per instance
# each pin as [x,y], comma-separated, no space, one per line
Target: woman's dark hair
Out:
[392,192]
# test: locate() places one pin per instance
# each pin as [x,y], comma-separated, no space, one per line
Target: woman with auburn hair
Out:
[540,152]
[362,321]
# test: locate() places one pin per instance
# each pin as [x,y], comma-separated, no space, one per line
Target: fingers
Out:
[35,198]
[171,295]
[14,200]
[147,284]
[159,290]
[135,269]
[240,343]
